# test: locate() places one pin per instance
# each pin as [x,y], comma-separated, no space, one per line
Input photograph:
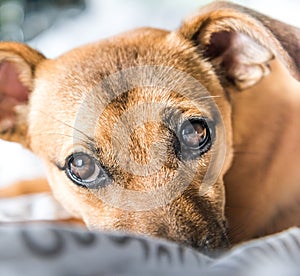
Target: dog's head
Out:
[135,130]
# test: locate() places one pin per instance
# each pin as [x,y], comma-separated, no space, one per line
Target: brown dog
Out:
[140,132]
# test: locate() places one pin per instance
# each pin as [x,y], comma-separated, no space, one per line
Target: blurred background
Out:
[55,26]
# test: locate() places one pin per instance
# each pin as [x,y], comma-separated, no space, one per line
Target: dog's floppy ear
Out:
[17,68]
[240,42]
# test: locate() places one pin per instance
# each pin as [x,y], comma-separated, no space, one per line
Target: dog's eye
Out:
[195,138]
[85,171]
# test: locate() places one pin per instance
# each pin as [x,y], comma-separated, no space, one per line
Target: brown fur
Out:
[260,125]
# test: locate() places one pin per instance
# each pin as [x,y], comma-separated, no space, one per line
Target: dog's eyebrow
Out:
[92,146]
[89,145]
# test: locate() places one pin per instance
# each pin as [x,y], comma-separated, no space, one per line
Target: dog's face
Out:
[132,129]
[132,141]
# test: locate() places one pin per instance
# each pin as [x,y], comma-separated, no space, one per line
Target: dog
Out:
[189,135]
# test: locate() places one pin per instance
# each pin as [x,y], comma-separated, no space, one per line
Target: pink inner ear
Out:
[10,85]
[242,59]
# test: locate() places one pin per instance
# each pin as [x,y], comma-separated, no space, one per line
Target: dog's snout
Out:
[202,240]
[205,236]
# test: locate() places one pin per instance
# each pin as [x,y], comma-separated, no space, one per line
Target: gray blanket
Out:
[44,249]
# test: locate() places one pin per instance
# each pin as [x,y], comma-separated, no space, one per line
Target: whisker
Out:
[210,97]
[67,125]
[57,133]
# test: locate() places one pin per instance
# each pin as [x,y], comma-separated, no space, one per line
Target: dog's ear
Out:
[240,42]
[17,69]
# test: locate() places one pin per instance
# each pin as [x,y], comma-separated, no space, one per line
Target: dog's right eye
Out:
[85,171]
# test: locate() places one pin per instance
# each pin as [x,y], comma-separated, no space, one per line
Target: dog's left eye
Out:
[85,171]
[195,138]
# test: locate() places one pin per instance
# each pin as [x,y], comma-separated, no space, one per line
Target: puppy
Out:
[149,131]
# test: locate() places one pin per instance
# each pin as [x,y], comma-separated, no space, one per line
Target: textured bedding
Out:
[45,249]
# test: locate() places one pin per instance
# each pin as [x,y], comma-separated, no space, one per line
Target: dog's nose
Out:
[214,241]
[214,244]
[211,243]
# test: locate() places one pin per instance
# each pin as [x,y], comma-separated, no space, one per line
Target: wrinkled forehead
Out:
[146,93]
